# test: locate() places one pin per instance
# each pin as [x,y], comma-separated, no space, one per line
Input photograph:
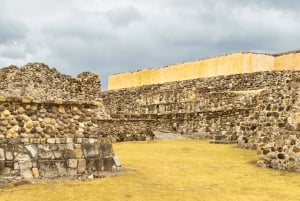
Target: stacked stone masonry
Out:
[259,108]
[201,107]
[50,125]
[255,108]
[273,127]
[42,83]
[51,139]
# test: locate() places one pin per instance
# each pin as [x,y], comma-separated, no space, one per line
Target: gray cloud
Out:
[11,30]
[109,37]
[123,16]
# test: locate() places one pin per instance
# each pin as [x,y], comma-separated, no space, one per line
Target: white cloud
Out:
[116,36]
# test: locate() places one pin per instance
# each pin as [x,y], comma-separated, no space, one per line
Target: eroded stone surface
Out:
[258,110]
[45,116]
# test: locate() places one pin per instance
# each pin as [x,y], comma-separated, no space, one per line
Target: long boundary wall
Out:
[236,63]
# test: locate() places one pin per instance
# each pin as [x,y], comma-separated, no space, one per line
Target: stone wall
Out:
[237,63]
[41,83]
[269,119]
[50,124]
[282,153]
[261,110]
[204,106]
[273,127]
[51,139]
[137,100]
[118,129]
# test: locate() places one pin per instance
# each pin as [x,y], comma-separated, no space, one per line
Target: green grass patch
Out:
[173,170]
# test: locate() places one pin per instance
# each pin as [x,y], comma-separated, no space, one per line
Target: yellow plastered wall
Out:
[287,62]
[224,65]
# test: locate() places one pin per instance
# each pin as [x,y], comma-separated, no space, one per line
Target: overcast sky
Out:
[113,36]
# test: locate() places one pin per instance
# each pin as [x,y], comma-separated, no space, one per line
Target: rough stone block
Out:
[61,109]
[45,154]
[47,169]
[106,149]
[14,141]
[26,173]
[16,166]
[53,147]
[79,140]
[116,161]
[61,147]
[35,140]
[58,101]
[99,164]
[9,155]
[51,140]
[69,140]
[2,156]
[62,168]
[25,165]
[274,164]
[35,173]
[33,150]
[2,165]
[25,140]
[63,140]
[81,165]
[77,146]
[296,149]
[92,141]
[2,99]
[29,124]
[85,140]
[26,100]
[72,163]
[78,153]
[9,164]
[108,164]
[6,171]
[20,110]
[6,112]
[79,133]
[91,150]
[58,154]
[58,141]
[72,172]
[34,163]
[69,154]
[90,165]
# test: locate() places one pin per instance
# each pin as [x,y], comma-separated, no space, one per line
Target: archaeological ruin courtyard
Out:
[232,125]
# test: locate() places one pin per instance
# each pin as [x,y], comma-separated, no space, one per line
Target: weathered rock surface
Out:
[40,83]
[253,109]
[45,118]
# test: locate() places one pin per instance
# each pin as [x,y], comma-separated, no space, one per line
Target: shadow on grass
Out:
[252,163]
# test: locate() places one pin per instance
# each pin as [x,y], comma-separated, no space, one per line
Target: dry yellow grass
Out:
[173,170]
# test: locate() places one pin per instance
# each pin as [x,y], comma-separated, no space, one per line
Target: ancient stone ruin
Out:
[248,98]
[54,125]
[50,124]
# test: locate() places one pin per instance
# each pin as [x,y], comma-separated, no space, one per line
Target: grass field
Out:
[173,170]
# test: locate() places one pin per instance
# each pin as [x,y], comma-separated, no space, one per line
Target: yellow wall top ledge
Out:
[236,63]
